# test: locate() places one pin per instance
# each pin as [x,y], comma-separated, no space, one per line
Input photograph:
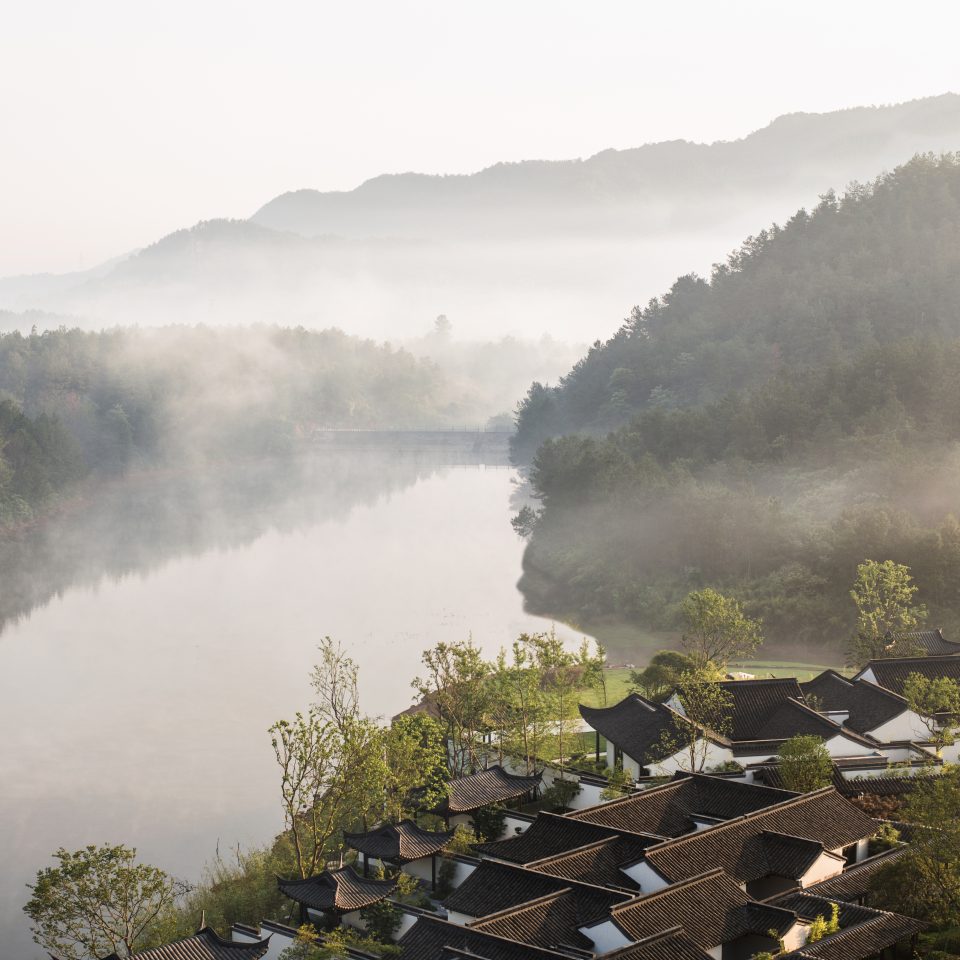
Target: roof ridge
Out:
[643,941]
[520,907]
[432,918]
[521,867]
[574,850]
[758,680]
[671,888]
[883,690]
[798,800]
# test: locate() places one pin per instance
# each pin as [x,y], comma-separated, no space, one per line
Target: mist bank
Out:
[795,415]
[563,248]
[79,407]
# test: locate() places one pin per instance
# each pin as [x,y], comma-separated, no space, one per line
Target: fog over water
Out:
[145,686]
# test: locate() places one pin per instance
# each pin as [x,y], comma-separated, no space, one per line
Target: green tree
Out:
[98,901]
[456,682]
[924,881]
[415,754]
[307,750]
[716,629]
[805,764]
[936,700]
[703,707]
[883,595]
[658,679]
[821,927]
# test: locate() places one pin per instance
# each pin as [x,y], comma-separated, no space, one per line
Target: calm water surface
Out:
[181,620]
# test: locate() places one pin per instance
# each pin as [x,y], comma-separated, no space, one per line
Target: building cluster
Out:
[686,866]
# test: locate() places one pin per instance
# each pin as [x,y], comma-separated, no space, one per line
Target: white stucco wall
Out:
[606,936]
[843,746]
[715,755]
[824,867]
[646,877]
[906,726]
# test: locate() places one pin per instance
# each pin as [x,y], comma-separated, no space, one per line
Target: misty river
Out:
[153,634]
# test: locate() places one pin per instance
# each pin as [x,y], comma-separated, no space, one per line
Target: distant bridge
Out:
[466,445]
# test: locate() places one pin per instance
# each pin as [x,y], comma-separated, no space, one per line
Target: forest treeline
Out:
[772,427]
[865,269]
[76,403]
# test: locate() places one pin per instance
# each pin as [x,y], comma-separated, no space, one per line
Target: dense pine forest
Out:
[765,431]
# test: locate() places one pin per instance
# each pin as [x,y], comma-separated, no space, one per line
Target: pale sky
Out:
[122,120]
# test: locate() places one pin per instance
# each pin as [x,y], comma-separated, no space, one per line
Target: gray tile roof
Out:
[867,704]
[339,890]
[739,847]
[893,673]
[863,941]
[669,810]
[493,887]
[400,842]
[486,787]
[599,862]
[672,944]
[637,726]
[550,921]
[553,833]
[934,643]
[711,909]
[431,939]
[753,701]
[853,884]
[206,944]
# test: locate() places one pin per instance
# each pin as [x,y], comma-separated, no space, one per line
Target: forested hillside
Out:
[879,263]
[74,403]
[779,424]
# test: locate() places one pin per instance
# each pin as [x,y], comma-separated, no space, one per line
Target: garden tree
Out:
[457,684]
[703,706]
[563,676]
[716,629]
[924,881]
[657,680]
[98,901]
[523,703]
[618,783]
[334,681]
[307,750]
[330,782]
[883,595]
[415,767]
[805,764]
[937,702]
[595,669]
[822,927]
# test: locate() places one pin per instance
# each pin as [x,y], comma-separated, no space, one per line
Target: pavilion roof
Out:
[341,891]
[399,843]
[494,785]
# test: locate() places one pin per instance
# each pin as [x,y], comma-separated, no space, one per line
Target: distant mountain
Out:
[646,188]
[564,248]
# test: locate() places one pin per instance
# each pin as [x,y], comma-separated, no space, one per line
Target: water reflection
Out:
[177,619]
